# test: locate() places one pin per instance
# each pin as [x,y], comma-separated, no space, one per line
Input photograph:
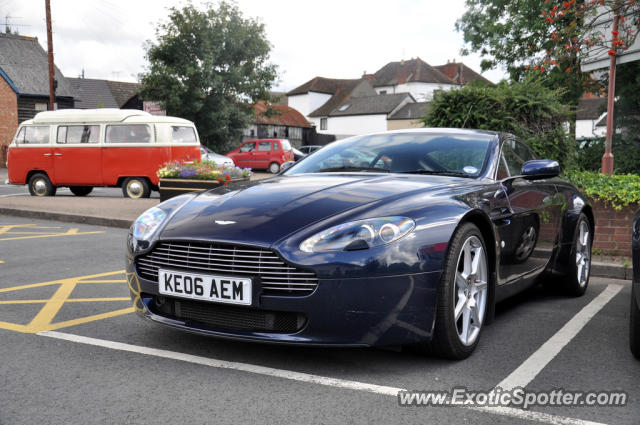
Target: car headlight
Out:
[145,227]
[361,234]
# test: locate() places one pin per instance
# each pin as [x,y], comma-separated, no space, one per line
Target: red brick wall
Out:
[613,228]
[8,118]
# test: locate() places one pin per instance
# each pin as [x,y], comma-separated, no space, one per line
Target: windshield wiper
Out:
[439,173]
[348,168]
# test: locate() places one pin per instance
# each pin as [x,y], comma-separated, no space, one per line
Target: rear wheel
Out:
[40,185]
[81,190]
[462,296]
[580,265]
[136,187]
[274,168]
[634,325]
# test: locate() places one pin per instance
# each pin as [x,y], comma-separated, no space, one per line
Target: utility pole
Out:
[607,158]
[52,88]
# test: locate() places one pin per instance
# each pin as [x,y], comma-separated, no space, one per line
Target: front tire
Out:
[274,167]
[40,185]
[136,187]
[81,190]
[463,296]
[634,325]
[575,284]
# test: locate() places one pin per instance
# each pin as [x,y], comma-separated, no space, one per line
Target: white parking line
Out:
[527,371]
[301,377]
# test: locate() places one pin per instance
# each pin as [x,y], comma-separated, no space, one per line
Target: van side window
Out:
[264,146]
[20,136]
[276,146]
[36,135]
[132,133]
[79,134]
[183,134]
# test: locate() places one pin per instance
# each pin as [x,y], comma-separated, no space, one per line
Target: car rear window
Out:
[35,135]
[182,134]
[286,146]
[133,133]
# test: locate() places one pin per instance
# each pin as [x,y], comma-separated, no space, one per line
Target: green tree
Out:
[526,109]
[209,66]
[515,35]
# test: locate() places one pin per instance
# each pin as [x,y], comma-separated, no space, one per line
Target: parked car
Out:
[265,154]
[309,149]
[415,250]
[297,155]
[634,321]
[81,149]
[209,155]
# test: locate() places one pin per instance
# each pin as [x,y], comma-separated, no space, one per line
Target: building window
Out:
[383,92]
[39,107]
[323,123]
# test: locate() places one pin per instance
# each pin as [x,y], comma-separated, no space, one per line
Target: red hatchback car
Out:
[266,154]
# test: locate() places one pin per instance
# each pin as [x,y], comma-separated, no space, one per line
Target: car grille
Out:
[276,276]
[232,318]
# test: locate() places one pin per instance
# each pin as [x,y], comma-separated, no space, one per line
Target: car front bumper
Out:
[388,310]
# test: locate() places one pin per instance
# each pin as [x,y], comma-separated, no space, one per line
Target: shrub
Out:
[202,170]
[618,190]
[526,109]
[626,155]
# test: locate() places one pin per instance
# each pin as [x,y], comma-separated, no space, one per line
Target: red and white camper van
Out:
[81,149]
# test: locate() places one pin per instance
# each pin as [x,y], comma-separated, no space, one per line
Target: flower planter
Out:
[170,187]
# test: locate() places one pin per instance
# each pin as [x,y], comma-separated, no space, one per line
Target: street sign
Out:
[154,108]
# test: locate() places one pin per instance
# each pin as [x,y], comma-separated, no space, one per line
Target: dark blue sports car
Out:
[405,237]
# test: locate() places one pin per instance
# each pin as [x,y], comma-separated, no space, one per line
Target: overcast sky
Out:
[329,38]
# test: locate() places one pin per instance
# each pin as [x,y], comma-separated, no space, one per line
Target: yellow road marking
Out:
[70,300]
[44,318]
[33,231]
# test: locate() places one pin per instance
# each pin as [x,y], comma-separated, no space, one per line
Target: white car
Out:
[209,155]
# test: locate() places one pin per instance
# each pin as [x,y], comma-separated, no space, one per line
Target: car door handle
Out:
[47,154]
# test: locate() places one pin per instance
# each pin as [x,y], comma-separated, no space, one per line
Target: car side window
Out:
[516,154]
[36,135]
[276,146]
[248,147]
[264,146]
[131,133]
[20,136]
[503,172]
[78,134]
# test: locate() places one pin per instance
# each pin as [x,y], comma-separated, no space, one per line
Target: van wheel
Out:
[40,185]
[81,190]
[136,187]
[274,168]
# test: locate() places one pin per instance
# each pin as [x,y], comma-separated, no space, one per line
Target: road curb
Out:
[68,218]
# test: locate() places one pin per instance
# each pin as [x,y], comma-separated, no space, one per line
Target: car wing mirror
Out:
[540,169]
[286,165]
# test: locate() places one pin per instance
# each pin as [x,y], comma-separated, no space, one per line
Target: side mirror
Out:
[540,169]
[286,165]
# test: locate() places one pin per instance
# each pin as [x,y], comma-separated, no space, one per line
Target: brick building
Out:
[24,85]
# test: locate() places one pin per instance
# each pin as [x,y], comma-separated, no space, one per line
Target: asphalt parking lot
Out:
[74,353]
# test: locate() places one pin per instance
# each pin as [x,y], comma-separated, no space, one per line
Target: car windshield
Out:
[420,153]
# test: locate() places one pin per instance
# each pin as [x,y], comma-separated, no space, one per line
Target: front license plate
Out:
[205,287]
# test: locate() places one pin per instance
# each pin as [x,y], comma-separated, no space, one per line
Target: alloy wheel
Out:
[470,290]
[583,253]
